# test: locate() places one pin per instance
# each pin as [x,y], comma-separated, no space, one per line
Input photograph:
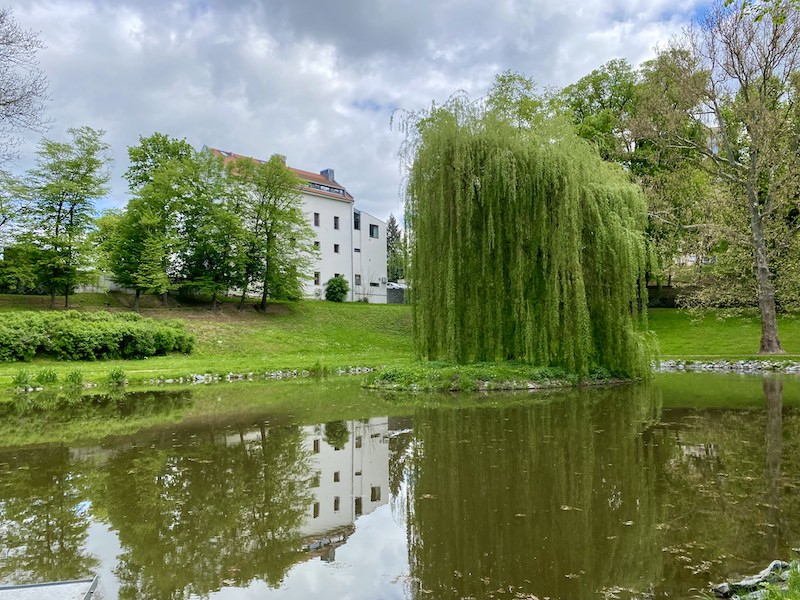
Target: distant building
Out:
[351,243]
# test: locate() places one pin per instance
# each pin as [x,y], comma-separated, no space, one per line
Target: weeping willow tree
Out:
[525,245]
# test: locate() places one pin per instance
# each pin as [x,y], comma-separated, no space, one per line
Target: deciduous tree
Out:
[725,94]
[61,190]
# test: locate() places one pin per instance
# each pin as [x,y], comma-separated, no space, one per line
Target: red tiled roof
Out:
[307,176]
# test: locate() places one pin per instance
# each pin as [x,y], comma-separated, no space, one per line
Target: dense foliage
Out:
[71,335]
[336,289]
[526,245]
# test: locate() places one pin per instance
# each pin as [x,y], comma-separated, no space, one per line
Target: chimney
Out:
[327,174]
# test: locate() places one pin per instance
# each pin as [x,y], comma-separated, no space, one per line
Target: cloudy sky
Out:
[315,80]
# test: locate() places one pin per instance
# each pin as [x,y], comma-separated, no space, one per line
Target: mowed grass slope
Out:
[290,335]
[316,334]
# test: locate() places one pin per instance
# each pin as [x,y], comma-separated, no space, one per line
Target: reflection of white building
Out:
[348,482]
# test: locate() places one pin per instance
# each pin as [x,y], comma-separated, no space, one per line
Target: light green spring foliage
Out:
[526,245]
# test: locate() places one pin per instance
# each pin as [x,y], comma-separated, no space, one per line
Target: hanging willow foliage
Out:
[525,245]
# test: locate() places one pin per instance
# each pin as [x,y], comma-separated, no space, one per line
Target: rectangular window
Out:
[374,284]
[315,479]
[316,278]
[336,475]
[375,494]
[336,222]
[357,279]
[359,506]
[357,473]
[336,248]
[336,504]
[358,441]
[316,446]
[316,219]
[356,220]
[373,231]
[356,249]
[316,509]
[316,245]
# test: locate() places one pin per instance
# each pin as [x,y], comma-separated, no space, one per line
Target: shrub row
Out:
[71,335]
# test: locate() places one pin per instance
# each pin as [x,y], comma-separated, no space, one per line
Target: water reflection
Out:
[557,499]
[589,493]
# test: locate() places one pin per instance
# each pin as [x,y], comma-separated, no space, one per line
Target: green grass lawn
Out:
[290,335]
[713,336]
[316,334]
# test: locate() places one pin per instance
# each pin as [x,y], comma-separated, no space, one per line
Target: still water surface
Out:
[646,491]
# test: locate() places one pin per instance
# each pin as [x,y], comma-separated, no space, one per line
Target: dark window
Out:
[336,222]
[316,446]
[316,245]
[316,219]
[356,249]
[316,278]
[336,504]
[316,509]
[358,441]
[357,278]
[315,480]
[375,493]
[336,248]
[373,284]
[373,231]
[359,506]
[356,220]
[336,475]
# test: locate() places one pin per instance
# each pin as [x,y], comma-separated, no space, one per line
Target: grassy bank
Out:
[307,335]
[318,336]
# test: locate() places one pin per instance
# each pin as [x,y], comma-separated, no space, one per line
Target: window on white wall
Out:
[373,231]
[336,222]
[336,248]
[316,219]
[357,279]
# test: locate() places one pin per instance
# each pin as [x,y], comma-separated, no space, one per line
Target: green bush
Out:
[71,335]
[46,376]
[336,289]
[74,377]
[117,376]
[22,378]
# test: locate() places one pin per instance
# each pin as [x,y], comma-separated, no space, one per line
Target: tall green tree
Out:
[526,245]
[395,250]
[61,190]
[278,242]
[727,93]
[144,242]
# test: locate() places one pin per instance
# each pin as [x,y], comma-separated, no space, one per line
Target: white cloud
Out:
[315,81]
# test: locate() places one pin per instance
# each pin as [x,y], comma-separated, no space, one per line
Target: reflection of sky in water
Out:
[371,564]
[104,544]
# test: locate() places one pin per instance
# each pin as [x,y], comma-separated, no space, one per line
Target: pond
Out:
[631,491]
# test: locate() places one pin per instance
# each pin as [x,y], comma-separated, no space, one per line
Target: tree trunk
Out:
[66,297]
[770,344]
[214,300]
[136,301]
[52,298]
[241,300]
[266,291]
[773,393]
[164,299]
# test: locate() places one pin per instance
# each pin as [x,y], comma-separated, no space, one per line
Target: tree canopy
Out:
[526,245]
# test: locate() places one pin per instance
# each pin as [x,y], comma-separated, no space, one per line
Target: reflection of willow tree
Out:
[722,485]
[516,499]
[43,521]
[207,512]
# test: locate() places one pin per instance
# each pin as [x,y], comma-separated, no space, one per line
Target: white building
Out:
[351,242]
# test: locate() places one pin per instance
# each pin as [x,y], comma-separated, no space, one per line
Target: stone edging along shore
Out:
[727,366]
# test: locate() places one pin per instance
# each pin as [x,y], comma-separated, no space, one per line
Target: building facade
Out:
[351,243]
